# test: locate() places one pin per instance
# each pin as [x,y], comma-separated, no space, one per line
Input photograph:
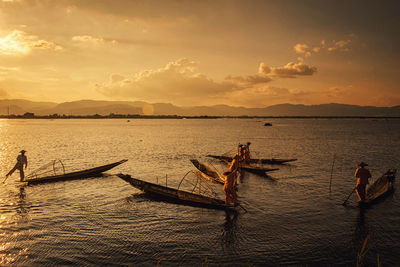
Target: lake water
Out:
[291,219]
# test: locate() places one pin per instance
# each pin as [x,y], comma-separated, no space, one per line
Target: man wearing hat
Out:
[21,161]
[362,174]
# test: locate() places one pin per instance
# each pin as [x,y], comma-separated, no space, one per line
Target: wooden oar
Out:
[354,189]
[5,179]
[243,208]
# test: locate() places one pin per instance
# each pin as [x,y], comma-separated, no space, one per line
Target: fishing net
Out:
[54,167]
[193,182]
[230,152]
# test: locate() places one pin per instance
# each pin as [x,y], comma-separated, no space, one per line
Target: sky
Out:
[188,53]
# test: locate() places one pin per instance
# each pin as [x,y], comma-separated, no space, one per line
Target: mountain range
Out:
[91,107]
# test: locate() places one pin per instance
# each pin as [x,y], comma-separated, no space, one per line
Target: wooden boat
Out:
[175,195]
[256,170]
[253,169]
[208,173]
[381,187]
[74,175]
[262,161]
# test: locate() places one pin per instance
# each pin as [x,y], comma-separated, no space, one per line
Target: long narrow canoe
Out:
[262,161]
[208,173]
[175,195]
[75,175]
[256,170]
[381,187]
[253,169]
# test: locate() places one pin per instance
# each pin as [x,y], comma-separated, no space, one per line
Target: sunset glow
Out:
[251,54]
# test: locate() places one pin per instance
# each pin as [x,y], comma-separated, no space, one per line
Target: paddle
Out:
[243,208]
[354,189]
[5,179]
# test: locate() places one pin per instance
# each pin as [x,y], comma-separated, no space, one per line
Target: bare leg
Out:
[360,189]
[21,174]
[227,196]
[234,197]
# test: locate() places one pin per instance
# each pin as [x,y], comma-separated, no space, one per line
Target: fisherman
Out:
[21,161]
[362,174]
[229,185]
[247,152]
[236,162]
[241,151]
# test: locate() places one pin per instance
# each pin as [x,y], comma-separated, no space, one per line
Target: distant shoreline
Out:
[134,116]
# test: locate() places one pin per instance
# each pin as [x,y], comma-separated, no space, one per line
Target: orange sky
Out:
[247,53]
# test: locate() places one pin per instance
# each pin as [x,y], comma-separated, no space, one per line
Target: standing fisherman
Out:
[362,174]
[241,151]
[21,161]
[247,152]
[230,180]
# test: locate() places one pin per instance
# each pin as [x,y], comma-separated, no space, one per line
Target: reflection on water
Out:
[292,218]
[229,231]
[22,207]
[14,231]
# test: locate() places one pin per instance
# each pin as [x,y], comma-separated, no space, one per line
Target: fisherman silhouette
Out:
[21,161]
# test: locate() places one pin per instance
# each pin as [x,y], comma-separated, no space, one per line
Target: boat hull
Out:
[381,188]
[75,175]
[208,173]
[256,170]
[175,195]
[262,161]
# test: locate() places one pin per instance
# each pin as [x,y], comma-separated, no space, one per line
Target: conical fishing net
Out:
[53,168]
[193,182]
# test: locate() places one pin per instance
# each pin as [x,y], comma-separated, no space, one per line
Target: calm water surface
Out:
[291,219]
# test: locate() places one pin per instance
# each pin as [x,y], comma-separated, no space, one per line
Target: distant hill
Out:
[91,107]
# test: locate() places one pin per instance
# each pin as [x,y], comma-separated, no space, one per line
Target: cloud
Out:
[316,49]
[300,48]
[92,39]
[266,74]
[307,51]
[341,45]
[5,71]
[264,68]
[341,91]
[251,80]
[178,81]
[181,82]
[303,49]
[2,68]
[87,38]
[291,70]
[272,91]
[20,43]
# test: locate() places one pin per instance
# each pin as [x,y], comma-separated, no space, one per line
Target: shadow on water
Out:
[361,227]
[22,207]
[229,232]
